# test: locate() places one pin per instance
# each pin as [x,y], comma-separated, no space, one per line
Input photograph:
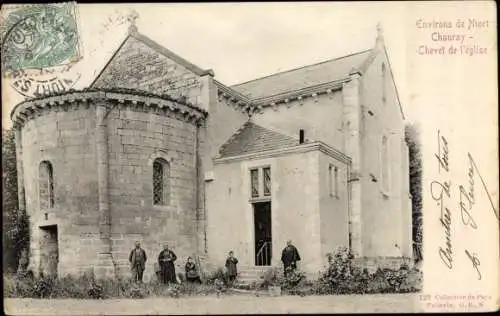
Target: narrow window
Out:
[385,165]
[333,178]
[330,180]
[46,185]
[383,83]
[254,178]
[161,175]
[336,181]
[267,181]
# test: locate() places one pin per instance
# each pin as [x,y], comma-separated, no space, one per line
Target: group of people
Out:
[166,259]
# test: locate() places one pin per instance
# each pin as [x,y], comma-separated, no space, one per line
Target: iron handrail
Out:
[261,254]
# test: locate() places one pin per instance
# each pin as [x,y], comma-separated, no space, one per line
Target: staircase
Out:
[248,275]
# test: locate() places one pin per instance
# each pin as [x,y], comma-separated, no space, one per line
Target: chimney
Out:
[301,136]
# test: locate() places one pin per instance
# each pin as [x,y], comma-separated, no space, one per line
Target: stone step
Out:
[250,274]
[249,279]
[246,274]
[256,268]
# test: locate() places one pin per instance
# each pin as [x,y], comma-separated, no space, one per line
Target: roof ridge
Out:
[302,67]
[278,131]
[235,134]
[106,65]
[276,134]
[168,53]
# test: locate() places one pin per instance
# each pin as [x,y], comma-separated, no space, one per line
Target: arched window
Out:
[384,84]
[161,188]
[385,164]
[46,185]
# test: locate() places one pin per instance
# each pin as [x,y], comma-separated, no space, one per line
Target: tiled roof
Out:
[252,138]
[299,78]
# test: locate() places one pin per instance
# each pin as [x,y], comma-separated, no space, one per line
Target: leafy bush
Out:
[345,276]
[275,277]
[220,274]
[43,287]
[413,139]
[15,226]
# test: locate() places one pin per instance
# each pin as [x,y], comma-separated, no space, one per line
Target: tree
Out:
[15,232]
[412,137]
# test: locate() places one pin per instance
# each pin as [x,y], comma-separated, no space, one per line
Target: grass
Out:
[85,287]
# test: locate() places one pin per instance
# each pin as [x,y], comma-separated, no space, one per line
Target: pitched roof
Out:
[170,54]
[307,76]
[158,48]
[252,138]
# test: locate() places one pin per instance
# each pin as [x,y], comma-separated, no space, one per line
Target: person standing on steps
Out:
[232,270]
[137,259]
[289,257]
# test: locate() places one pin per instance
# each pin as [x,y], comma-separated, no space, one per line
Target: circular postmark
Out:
[44,84]
[40,36]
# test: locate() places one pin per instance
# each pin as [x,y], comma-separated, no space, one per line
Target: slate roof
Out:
[252,138]
[307,76]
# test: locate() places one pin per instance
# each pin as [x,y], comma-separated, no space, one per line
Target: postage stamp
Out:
[40,36]
[40,44]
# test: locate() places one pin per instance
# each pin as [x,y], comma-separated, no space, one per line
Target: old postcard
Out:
[236,158]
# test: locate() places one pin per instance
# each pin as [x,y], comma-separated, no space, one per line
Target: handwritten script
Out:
[467,203]
[441,192]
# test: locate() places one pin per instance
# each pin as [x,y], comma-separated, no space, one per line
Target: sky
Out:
[240,41]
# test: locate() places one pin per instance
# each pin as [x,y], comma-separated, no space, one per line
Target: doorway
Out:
[263,233]
[49,250]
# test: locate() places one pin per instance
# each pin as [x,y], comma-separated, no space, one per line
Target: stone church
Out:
[158,150]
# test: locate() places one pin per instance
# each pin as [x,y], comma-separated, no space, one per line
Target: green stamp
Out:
[40,36]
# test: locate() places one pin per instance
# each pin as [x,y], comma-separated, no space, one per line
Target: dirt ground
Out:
[235,304]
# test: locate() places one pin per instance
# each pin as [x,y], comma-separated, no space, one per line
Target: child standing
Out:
[231,263]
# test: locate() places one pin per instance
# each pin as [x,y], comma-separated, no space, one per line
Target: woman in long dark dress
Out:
[166,261]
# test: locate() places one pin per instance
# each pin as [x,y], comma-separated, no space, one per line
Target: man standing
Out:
[137,259]
[166,261]
[289,257]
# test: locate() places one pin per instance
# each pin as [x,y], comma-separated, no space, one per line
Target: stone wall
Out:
[333,204]
[64,136]
[294,214]
[319,117]
[385,221]
[87,181]
[374,263]
[224,120]
[135,139]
